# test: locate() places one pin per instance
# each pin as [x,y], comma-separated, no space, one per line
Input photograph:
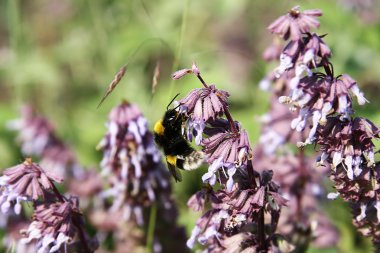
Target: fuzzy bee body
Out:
[179,154]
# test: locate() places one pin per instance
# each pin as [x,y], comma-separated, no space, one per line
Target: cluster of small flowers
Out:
[363,196]
[314,95]
[301,221]
[235,215]
[226,146]
[275,131]
[348,143]
[349,149]
[37,138]
[57,221]
[235,222]
[133,168]
[324,104]
[132,164]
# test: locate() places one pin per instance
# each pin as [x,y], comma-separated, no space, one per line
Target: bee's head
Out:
[171,115]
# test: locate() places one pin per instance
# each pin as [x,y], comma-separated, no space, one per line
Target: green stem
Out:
[99,31]
[13,24]
[151,228]
[14,28]
[178,53]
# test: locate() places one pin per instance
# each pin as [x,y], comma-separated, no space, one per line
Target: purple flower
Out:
[195,69]
[128,145]
[24,182]
[279,84]
[132,164]
[198,200]
[273,52]
[245,195]
[275,130]
[60,159]
[319,96]
[207,227]
[286,63]
[86,185]
[233,212]
[349,143]
[54,225]
[37,137]
[226,150]
[363,196]
[302,56]
[324,105]
[300,185]
[203,105]
[35,132]
[12,238]
[295,23]
[181,73]
[316,51]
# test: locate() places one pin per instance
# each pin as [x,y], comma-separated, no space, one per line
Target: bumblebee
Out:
[168,135]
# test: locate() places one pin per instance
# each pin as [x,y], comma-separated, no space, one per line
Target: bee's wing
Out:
[175,172]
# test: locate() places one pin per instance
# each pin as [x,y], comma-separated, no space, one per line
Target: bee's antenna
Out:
[167,107]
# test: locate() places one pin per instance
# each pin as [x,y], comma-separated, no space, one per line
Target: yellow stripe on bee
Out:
[159,128]
[171,160]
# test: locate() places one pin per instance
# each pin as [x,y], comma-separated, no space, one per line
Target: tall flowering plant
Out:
[302,221]
[323,102]
[245,210]
[138,183]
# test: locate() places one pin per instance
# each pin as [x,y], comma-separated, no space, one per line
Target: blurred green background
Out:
[60,55]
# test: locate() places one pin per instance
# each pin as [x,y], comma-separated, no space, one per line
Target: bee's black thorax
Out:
[171,138]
